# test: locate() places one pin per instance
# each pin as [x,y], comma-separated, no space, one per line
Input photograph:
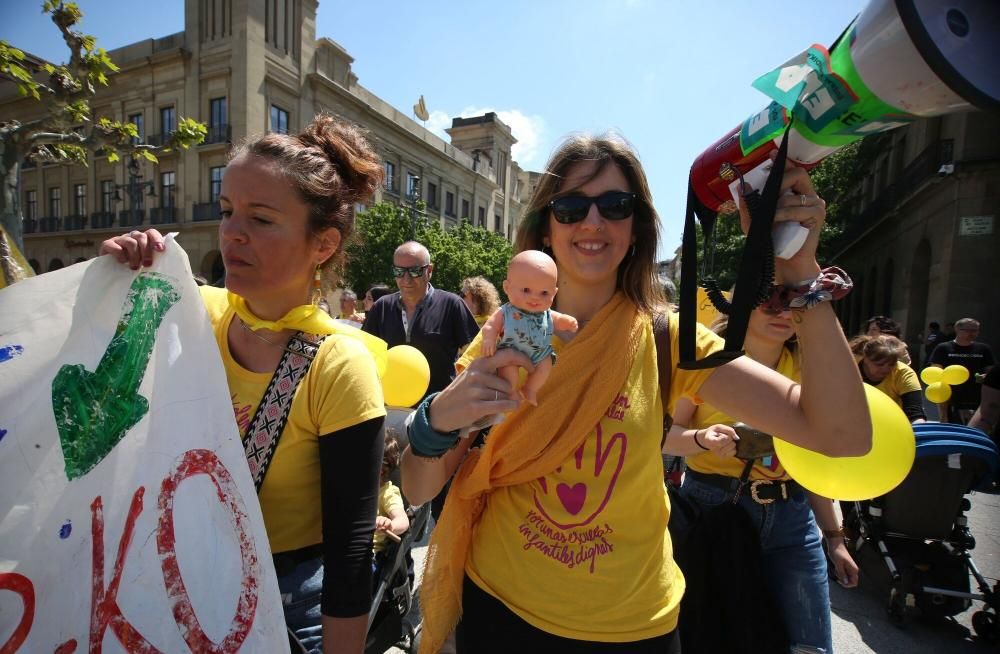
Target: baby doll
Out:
[527,321]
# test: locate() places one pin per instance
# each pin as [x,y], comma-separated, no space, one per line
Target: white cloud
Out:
[528,130]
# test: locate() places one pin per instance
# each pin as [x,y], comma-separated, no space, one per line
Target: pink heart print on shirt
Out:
[581,493]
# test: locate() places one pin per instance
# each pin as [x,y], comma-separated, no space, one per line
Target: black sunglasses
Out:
[613,205]
[413,271]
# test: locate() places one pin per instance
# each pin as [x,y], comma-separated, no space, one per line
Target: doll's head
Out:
[531,281]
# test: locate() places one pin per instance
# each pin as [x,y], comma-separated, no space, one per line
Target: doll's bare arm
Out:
[492,330]
[563,322]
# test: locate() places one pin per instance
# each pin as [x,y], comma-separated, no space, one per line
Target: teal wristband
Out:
[425,441]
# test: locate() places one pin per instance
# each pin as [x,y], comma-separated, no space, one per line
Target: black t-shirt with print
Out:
[975,358]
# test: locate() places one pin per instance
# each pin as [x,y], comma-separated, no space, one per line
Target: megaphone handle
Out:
[788,238]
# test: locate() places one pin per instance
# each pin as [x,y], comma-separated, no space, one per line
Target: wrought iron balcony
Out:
[30,225]
[205,211]
[162,215]
[49,224]
[218,134]
[131,217]
[72,223]
[102,220]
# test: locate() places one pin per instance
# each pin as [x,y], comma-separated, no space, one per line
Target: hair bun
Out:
[350,152]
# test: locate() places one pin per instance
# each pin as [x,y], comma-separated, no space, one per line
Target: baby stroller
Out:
[914,541]
[393,594]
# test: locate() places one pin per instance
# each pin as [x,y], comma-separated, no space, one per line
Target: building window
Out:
[465,209]
[79,199]
[55,202]
[215,183]
[30,205]
[432,195]
[497,224]
[107,196]
[412,186]
[168,121]
[449,203]
[390,176]
[482,217]
[168,185]
[136,119]
[218,121]
[279,120]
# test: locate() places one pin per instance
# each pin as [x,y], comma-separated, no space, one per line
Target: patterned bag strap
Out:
[272,413]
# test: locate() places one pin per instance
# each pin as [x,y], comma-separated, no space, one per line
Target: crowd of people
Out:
[553,534]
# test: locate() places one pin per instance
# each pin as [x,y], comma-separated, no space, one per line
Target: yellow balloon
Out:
[930,374]
[955,375]
[407,376]
[858,477]
[938,392]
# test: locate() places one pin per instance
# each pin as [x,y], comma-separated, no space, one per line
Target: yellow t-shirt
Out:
[340,389]
[901,380]
[593,533]
[389,497]
[704,416]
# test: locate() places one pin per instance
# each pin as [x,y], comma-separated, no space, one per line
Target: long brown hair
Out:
[637,271]
[332,167]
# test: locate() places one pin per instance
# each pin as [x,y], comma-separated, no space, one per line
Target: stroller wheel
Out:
[897,607]
[985,624]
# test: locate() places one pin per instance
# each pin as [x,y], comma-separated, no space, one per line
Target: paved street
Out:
[860,624]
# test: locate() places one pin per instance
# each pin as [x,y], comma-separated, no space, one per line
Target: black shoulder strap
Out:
[661,337]
[268,423]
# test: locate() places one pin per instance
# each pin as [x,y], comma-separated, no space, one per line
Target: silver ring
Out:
[802,200]
[134,233]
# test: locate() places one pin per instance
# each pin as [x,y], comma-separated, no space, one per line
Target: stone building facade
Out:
[923,244]
[245,67]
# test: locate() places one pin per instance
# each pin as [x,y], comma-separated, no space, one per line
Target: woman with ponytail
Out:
[286,211]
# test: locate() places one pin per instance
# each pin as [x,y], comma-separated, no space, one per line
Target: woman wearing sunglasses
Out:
[554,534]
[784,515]
[286,212]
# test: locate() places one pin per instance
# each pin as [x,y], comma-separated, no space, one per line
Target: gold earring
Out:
[317,287]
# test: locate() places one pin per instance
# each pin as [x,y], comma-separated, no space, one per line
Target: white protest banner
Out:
[128,518]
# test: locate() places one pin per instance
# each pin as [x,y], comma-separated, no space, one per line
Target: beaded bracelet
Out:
[831,284]
[425,441]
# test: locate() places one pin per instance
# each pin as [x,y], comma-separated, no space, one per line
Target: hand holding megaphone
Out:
[800,210]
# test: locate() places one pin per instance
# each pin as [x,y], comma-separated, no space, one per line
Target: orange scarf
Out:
[528,444]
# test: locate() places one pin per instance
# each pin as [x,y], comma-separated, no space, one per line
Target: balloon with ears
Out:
[940,380]
[899,60]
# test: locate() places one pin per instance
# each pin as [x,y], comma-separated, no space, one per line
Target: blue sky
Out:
[671,76]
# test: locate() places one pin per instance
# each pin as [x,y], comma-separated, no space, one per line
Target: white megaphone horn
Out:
[898,61]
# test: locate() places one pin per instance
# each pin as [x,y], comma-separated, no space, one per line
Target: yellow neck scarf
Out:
[310,319]
[307,318]
[529,443]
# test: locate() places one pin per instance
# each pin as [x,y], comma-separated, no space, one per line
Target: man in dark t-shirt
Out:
[974,356]
[432,320]
[934,338]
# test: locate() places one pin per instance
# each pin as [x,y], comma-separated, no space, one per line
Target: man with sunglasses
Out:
[434,321]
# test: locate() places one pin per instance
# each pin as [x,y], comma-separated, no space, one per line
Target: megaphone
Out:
[899,60]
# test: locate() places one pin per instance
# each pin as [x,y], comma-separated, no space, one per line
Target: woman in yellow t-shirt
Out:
[554,534]
[791,553]
[481,296]
[286,211]
[882,364]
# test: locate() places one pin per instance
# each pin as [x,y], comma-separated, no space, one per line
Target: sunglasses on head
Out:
[613,205]
[412,271]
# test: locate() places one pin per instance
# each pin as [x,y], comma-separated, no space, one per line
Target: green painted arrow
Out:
[94,410]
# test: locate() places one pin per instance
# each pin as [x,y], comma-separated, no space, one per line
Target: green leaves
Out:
[464,251]
[11,68]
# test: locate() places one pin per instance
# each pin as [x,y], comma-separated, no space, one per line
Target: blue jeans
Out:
[301,596]
[792,559]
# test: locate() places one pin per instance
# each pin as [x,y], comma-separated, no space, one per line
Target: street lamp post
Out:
[414,198]
[134,188]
